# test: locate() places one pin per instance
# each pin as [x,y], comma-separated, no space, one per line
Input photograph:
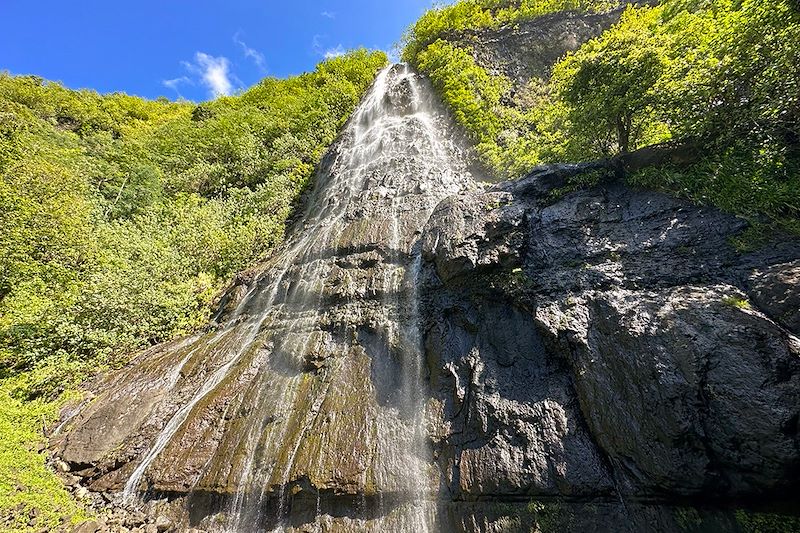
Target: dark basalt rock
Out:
[604,361]
[612,347]
[774,289]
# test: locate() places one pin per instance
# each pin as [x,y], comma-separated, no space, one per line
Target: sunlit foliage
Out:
[123,218]
[720,74]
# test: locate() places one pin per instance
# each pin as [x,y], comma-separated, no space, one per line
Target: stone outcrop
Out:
[529,49]
[604,359]
[611,346]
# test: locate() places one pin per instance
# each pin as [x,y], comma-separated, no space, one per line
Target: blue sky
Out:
[185,48]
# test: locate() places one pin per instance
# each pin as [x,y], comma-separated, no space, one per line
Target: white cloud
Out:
[175,83]
[321,50]
[328,14]
[251,53]
[214,73]
[336,51]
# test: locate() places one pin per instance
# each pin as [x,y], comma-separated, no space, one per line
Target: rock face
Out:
[527,50]
[607,360]
[306,403]
[611,346]
[530,48]
[431,354]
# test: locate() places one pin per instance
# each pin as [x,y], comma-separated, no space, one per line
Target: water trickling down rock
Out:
[306,405]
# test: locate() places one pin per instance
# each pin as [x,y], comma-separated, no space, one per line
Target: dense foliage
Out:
[123,218]
[721,74]
[31,497]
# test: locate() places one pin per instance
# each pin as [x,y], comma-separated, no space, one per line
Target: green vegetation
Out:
[474,96]
[719,74]
[607,88]
[750,522]
[31,497]
[123,219]
[737,302]
[514,128]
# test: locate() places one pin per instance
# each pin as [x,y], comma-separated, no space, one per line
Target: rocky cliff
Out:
[432,353]
[611,356]
[529,49]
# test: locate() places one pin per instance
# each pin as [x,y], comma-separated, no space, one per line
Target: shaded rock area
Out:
[613,352]
[527,50]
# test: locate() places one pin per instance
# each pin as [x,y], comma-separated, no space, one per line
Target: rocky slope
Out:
[429,353]
[603,360]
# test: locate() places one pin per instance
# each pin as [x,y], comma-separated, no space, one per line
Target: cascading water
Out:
[307,408]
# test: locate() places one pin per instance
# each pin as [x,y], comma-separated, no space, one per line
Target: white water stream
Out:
[391,167]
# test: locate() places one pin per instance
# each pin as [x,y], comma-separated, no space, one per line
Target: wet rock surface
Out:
[611,346]
[304,404]
[604,361]
[774,289]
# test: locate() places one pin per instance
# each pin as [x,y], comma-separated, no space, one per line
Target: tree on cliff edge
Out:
[607,86]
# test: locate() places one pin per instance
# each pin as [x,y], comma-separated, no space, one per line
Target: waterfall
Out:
[307,407]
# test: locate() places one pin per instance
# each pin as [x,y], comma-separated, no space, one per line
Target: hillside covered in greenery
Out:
[123,219]
[720,75]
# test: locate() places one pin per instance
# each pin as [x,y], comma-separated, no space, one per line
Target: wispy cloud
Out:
[336,51]
[214,73]
[176,83]
[328,14]
[251,53]
[326,51]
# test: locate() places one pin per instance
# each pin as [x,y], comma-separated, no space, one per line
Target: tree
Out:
[607,85]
